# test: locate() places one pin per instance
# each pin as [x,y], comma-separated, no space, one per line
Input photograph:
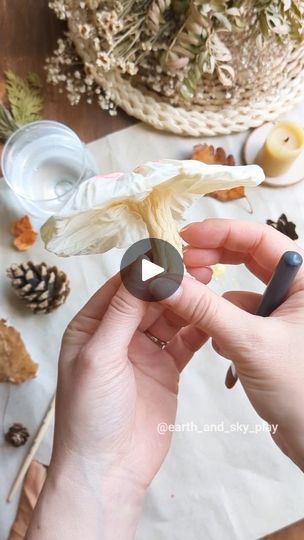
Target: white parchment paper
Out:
[220,484]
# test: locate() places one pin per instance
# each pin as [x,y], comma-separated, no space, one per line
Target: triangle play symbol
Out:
[150,270]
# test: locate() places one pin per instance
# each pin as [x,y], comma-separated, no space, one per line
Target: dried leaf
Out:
[24,97]
[211,156]
[21,225]
[7,123]
[226,75]
[25,240]
[31,490]
[16,366]
[24,234]
[93,4]
[284,226]
[2,91]
[198,39]
[217,156]
[34,80]
[225,195]
[286,4]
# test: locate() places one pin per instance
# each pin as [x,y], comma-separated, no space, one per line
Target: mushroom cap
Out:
[99,216]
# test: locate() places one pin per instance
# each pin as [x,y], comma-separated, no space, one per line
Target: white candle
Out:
[283,145]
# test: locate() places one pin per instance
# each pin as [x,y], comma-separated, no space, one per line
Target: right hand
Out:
[268,352]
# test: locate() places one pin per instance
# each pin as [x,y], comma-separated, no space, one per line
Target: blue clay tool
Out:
[274,295]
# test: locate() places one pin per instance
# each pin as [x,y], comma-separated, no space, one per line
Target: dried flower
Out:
[156,13]
[169,46]
[59,8]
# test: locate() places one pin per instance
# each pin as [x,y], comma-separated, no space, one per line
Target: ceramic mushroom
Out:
[118,210]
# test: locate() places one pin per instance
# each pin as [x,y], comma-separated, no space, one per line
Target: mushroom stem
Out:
[156,212]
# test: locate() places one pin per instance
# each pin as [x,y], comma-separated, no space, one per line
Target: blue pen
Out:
[275,294]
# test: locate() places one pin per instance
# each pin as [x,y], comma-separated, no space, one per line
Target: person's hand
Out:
[115,386]
[267,352]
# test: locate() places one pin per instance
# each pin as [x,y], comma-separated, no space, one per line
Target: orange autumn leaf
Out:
[217,156]
[21,225]
[24,234]
[212,156]
[16,365]
[225,195]
[25,240]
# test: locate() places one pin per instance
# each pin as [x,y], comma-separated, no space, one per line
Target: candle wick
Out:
[287,139]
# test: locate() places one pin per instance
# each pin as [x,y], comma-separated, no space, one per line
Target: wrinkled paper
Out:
[213,485]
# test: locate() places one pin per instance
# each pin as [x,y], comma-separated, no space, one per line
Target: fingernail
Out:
[184,228]
[188,226]
[163,289]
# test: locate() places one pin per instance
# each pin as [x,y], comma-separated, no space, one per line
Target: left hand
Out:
[115,386]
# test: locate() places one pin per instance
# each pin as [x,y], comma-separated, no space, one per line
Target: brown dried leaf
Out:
[225,195]
[217,156]
[24,234]
[16,366]
[212,156]
[32,488]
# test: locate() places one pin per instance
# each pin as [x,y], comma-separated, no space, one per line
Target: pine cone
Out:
[43,288]
[17,435]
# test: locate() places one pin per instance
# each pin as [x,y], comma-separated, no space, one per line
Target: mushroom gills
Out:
[155,211]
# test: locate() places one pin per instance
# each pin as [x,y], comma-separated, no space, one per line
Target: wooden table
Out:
[28,34]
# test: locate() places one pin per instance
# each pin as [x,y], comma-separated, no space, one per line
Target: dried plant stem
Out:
[173,47]
[33,449]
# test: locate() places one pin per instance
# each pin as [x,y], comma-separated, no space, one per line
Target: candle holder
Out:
[43,163]
[252,149]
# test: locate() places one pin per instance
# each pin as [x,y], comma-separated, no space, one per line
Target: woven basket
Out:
[268,83]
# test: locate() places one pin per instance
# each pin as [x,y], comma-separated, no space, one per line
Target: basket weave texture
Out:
[268,83]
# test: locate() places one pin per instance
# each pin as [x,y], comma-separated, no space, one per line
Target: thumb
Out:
[213,314]
[119,323]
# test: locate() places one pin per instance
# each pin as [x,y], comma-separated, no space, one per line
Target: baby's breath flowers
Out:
[61,8]
[66,68]
[169,46]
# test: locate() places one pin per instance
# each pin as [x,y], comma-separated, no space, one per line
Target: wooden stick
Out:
[33,449]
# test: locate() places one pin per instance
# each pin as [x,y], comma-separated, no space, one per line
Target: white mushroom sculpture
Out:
[118,210]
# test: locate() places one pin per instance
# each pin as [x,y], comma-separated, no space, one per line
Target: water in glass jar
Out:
[44,164]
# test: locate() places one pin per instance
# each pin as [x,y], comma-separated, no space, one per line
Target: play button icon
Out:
[150,270]
[146,260]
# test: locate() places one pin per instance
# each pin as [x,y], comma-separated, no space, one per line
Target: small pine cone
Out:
[17,435]
[43,288]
